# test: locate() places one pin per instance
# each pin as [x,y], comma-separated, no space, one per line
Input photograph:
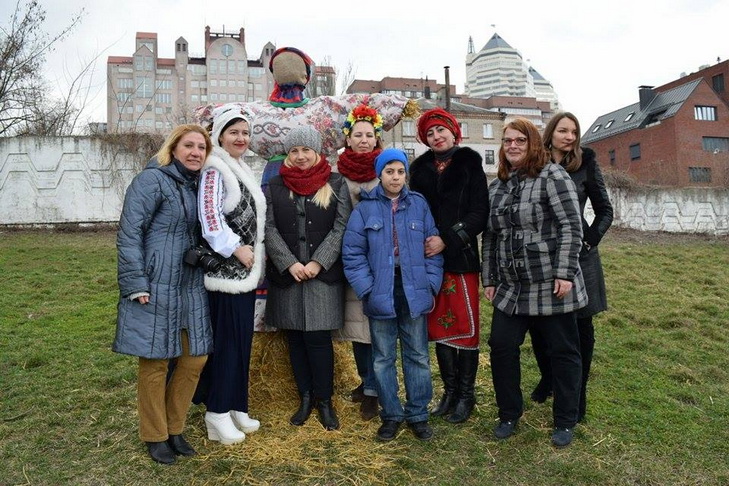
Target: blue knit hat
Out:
[390,155]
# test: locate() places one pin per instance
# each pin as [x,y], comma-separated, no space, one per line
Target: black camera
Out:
[199,256]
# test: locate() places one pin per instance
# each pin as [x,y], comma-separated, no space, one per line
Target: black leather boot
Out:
[327,416]
[448,365]
[467,369]
[305,408]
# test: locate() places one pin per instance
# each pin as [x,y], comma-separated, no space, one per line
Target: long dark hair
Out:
[572,160]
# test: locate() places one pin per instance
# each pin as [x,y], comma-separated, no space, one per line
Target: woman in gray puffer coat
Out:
[163,309]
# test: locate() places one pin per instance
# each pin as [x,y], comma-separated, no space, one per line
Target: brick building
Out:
[676,135]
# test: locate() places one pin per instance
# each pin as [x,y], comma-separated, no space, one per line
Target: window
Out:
[214,82]
[123,97]
[407,128]
[223,66]
[223,97]
[488,130]
[140,108]
[705,113]
[213,69]
[464,129]
[699,174]
[125,83]
[204,98]
[144,87]
[609,123]
[629,117]
[715,144]
[163,98]
[165,84]
[717,82]
[635,151]
[147,63]
[611,156]
[195,98]
[410,153]
[597,127]
[241,67]
[489,158]
[223,83]
[194,84]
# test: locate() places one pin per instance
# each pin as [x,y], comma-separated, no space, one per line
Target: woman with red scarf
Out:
[362,132]
[453,182]
[307,208]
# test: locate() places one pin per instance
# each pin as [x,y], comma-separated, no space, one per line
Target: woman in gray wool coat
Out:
[307,208]
[163,308]
[532,277]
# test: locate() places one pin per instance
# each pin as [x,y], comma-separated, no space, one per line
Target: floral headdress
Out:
[363,113]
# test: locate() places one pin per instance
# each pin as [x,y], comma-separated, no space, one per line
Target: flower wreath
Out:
[363,113]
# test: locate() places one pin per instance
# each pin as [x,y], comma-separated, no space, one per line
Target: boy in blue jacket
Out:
[384,260]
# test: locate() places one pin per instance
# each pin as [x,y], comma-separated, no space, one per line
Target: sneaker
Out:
[422,430]
[505,429]
[388,430]
[562,437]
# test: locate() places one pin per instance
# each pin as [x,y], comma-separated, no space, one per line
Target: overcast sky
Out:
[595,54]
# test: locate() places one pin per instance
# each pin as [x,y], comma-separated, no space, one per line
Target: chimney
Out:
[426,92]
[645,95]
[447,88]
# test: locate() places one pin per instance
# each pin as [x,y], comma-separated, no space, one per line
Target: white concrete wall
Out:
[82,180]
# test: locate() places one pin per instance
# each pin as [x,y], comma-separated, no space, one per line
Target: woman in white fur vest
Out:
[233,215]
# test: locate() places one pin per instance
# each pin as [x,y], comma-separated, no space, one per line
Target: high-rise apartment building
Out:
[148,93]
[499,70]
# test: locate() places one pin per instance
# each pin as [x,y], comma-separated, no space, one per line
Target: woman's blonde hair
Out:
[165,157]
[323,196]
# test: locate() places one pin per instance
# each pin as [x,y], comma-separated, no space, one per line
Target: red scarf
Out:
[358,166]
[306,182]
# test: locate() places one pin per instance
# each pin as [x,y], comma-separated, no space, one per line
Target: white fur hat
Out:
[221,117]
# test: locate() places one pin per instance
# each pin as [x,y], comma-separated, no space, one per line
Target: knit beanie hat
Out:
[435,117]
[222,117]
[303,136]
[388,156]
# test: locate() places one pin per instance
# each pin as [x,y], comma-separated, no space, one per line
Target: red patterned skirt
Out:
[455,319]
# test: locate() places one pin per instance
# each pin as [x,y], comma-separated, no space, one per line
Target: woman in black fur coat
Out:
[453,182]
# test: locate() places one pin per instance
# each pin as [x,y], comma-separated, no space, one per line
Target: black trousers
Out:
[312,361]
[560,334]
[587,347]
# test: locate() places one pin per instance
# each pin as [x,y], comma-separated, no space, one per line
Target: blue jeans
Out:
[413,334]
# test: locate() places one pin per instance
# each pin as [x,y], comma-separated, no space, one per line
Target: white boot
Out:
[244,422]
[221,427]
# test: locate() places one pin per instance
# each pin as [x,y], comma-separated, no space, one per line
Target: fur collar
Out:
[232,171]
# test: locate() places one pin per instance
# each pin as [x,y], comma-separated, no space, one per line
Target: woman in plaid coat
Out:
[531,275]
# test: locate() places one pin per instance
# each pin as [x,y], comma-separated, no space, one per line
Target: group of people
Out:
[371,249]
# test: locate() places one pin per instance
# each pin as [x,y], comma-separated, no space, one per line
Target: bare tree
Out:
[346,77]
[23,49]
